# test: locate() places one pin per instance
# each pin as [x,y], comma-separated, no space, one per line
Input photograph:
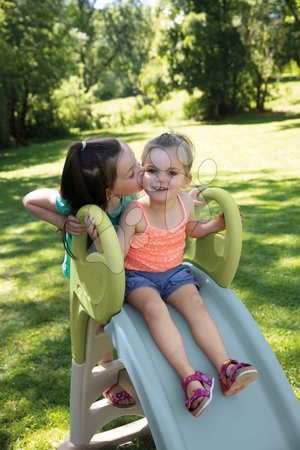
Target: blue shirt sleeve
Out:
[62,206]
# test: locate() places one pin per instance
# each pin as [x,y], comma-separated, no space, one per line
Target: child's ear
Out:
[187,181]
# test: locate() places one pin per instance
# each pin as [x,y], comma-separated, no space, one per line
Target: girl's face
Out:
[164,173]
[129,173]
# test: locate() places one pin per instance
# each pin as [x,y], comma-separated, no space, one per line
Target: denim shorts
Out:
[165,283]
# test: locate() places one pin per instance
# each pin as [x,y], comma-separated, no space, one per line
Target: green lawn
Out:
[257,160]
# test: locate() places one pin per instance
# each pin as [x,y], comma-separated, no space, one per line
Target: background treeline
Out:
[60,59]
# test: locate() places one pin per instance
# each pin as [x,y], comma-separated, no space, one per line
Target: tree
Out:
[205,51]
[266,30]
[113,44]
[229,49]
[128,27]
[35,57]
[290,49]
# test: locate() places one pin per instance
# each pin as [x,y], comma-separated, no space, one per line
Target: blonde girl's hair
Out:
[179,142]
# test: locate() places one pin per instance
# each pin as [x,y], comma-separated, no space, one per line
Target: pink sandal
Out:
[206,395]
[241,375]
[116,399]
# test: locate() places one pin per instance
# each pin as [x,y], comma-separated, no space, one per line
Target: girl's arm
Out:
[42,204]
[198,229]
[125,230]
[127,227]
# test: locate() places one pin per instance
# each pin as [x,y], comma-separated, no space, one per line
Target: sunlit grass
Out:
[257,159]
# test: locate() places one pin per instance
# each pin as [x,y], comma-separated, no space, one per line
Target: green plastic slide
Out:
[264,417]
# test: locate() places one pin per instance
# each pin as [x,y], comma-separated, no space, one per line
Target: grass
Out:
[257,160]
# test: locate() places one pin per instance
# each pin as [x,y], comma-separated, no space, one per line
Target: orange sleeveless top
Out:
[157,250]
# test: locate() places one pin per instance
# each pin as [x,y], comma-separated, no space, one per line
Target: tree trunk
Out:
[21,122]
[264,96]
[4,125]
[259,83]
[12,117]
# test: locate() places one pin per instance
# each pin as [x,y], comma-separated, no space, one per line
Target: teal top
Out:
[62,207]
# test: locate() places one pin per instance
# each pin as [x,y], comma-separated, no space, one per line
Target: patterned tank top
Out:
[156,249]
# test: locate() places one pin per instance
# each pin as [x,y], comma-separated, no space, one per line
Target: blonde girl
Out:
[152,234]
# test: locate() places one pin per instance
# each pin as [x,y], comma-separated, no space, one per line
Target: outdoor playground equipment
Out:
[264,417]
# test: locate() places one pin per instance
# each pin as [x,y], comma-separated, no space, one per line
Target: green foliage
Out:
[290,34]
[193,107]
[43,43]
[228,50]
[126,112]
[261,27]
[205,51]
[113,44]
[73,104]
[35,58]
[154,80]
[128,31]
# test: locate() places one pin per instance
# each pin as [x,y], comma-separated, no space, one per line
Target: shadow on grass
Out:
[27,315]
[255,118]
[272,229]
[36,376]
[289,126]
[39,153]
[19,249]
[12,211]
[251,118]
[43,374]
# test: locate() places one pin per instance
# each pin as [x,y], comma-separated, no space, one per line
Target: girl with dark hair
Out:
[103,172]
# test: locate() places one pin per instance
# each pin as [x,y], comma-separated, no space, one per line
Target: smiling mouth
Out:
[159,188]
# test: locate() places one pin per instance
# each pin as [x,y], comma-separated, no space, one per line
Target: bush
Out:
[193,108]
[130,112]
[143,113]
[74,105]
[41,120]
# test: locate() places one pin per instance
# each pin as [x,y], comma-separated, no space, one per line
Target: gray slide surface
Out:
[266,416]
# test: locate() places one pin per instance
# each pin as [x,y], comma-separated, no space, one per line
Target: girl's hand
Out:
[194,194]
[73,226]
[93,233]
[220,222]
[90,227]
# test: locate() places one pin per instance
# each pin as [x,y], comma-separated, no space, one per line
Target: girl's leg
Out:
[234,376]
[115,390]
[165,334]
[190,304]
[106,358]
